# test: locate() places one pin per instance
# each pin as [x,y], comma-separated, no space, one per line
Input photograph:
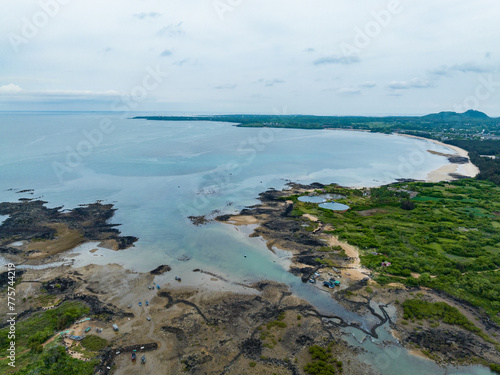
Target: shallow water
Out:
[334,206]
[158,173]
[314,199]
[391,359]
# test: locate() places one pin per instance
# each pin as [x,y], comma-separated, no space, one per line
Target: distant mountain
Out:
[454,116]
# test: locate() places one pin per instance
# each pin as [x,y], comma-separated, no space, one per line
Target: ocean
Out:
[158,173]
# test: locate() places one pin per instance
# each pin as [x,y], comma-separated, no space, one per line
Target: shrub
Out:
[94,343]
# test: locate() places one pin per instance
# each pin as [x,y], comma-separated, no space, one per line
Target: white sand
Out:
[443,173]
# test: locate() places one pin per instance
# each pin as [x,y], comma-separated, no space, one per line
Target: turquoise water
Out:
[158,173]
[334,206]
[315,199]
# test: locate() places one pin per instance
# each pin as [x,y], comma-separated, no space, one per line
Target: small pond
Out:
[334,206]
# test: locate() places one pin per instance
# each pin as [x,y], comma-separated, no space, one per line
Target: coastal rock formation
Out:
[35,232]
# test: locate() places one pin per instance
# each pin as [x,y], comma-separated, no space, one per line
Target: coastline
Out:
[357,285]
[182,310]
[444,172]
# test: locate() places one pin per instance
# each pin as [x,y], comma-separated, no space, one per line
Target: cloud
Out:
[415,83]
[181,62]
[343,60]
[468,67]
[229,86]
[471,67]
[57,94]
[10,89]
[349,91]
[273,82]
[166,53]
[368,84]
[269,82]
[171,30]
[143,16]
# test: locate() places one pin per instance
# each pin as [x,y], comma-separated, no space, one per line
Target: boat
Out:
[88,329]
[147,303]
[143,359]
[133,357]
[157,287]
[140,303]
[312,281]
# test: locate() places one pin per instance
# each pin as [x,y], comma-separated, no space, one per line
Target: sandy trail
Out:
[356,271]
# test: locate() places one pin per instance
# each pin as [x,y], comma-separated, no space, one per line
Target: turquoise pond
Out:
[314,199]
[159,173]
[334,206]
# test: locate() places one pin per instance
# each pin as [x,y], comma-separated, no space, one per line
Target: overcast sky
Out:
[362,57]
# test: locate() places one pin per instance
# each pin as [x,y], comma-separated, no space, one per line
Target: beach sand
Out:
[443,173]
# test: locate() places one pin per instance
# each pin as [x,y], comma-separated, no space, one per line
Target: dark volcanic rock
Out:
[4,277]
[194,360]
[458,159]
[251,348]
[304,340]
[59,285]
[160,270]
[32,220]
[448,344]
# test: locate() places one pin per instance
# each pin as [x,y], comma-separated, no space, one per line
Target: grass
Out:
[94,343]
[452,234]
[40,326]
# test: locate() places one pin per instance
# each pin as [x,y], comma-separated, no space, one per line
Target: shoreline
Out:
[356,282]
[444,172]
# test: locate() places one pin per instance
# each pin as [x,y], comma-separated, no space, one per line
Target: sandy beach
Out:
[443,173]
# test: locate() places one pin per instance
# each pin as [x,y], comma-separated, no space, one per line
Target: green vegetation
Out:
[94,343]
[278,322]
[495,367]
[444,123]
[450,241]
[489,167]
[323,362]
[418,309]
[57,361]
[38,328]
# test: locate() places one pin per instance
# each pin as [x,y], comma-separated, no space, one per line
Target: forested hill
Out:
[470,121]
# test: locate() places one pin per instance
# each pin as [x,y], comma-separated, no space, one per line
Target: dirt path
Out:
[356,271]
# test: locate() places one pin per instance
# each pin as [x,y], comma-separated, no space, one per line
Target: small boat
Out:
[147,303]
[88,329]
[157,287]
[148,318]
[140,303]
[133,357]
[143,359]
[312,281]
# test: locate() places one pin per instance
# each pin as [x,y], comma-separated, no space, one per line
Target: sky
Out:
[322,57]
